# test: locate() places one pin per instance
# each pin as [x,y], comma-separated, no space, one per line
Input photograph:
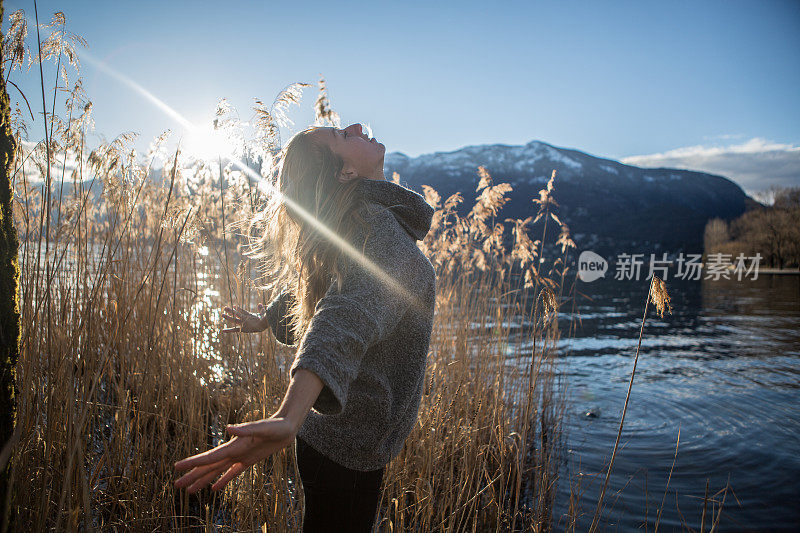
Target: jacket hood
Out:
[408,207]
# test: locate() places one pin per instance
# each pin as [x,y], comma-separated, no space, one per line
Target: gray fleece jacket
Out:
[368,342]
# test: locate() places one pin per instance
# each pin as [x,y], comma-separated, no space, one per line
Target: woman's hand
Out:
[245,321]
[251,443]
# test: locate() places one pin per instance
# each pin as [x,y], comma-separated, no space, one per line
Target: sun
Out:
[208,144]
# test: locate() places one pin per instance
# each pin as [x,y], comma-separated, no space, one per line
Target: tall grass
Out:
[123,371]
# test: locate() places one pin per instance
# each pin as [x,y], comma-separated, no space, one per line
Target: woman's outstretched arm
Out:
[277,317]
[252,441]
[274,316]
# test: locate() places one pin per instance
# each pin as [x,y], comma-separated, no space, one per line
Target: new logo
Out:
[591,266]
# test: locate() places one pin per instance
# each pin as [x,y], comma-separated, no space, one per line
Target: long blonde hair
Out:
[292,252]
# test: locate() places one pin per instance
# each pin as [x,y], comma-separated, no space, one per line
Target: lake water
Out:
[725,367]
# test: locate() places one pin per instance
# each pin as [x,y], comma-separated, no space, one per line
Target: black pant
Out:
[338,499]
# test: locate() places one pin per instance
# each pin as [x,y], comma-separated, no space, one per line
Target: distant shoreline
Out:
[794,271]
[731,269]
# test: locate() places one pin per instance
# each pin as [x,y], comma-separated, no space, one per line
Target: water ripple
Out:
[724,368]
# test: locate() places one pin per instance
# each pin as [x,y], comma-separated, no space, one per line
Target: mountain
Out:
[609,207]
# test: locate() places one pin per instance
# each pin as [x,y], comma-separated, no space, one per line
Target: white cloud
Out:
[755,165]
[724,136]
[57,167]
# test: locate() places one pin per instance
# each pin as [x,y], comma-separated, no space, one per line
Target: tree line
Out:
[771,230]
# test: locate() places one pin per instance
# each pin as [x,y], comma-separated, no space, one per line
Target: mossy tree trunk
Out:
[9,282]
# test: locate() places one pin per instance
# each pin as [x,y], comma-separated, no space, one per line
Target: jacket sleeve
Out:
[278,319]
[371,302]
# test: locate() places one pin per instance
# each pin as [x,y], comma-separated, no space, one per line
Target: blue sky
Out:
[705,84]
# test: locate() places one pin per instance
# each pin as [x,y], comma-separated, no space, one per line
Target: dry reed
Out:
[122,369]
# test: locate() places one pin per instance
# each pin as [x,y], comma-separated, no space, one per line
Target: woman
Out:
[361,297]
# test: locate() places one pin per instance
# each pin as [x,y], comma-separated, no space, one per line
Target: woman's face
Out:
[362,156]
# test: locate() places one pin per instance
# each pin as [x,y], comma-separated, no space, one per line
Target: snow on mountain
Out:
[604,200]
[495,157]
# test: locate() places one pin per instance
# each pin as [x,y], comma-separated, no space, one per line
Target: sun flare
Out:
[208,144]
